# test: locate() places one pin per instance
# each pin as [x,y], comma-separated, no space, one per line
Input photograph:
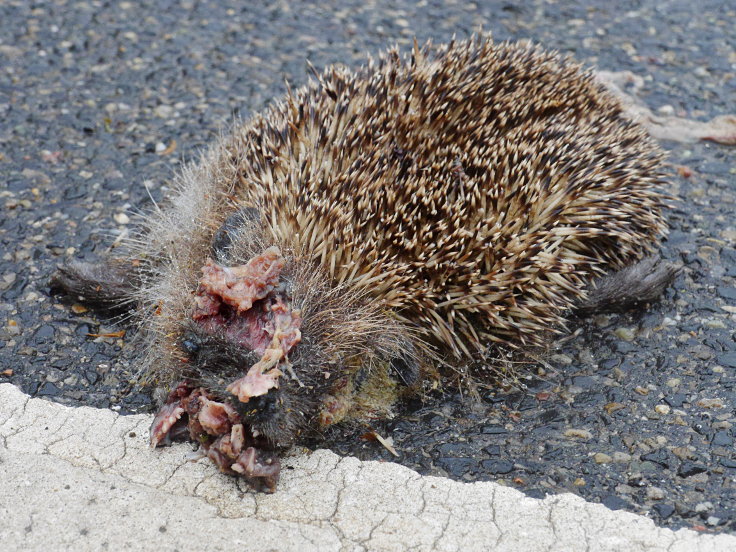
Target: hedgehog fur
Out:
[427,209]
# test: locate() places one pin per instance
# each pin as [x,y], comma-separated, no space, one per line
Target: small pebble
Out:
[13,328]
[612,407]
[121,218]
[683,453]
[627,334]
[602,458]
[614,502]
[621,457]
[722,439]
[579,434]
[710,403]
[7,280]
[727,359]
[715,324]
[163,111]
[663,510]
[690,469]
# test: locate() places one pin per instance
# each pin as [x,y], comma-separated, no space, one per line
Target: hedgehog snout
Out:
[260,409]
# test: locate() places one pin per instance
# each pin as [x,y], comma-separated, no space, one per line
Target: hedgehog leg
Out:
[107,284]
[639,283]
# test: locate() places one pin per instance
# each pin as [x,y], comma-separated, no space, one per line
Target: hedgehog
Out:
[378,231]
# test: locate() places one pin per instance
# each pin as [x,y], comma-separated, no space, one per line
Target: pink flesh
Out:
[214,417]
[251,464]
[164,421]
[286,323]
[239,286]
[237,438]
[223,438]
[232,299]
[261,322]
[206,305]
[250,330]
[262,377]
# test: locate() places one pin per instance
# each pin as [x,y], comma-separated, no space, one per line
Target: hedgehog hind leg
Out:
[105,285]
[639,283]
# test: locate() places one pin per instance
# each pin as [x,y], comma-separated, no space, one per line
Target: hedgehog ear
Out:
[227,233]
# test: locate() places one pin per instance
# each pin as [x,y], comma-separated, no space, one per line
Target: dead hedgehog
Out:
[379,229]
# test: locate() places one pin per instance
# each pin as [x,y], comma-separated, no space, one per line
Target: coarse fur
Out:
[428,207]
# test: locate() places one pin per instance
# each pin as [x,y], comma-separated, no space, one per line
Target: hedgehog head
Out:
[289,351]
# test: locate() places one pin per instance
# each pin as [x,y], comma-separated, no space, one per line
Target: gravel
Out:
[101,102]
